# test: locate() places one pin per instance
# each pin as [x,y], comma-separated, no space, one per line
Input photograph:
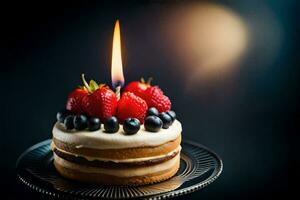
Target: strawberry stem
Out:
[85,83]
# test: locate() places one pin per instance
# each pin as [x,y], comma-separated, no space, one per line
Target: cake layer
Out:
[99,162]
[122,172]
[120,154]
[101,140]
[124,176]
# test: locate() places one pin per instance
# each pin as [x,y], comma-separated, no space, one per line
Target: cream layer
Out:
[90,158]
[124,172]
[101,140]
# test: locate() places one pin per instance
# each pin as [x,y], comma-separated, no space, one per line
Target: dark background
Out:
[254,127]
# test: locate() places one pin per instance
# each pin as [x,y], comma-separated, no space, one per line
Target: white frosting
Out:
[90,158]
[101,140]
[125,172]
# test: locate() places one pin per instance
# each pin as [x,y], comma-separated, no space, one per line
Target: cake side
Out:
[133,177]
[139,159]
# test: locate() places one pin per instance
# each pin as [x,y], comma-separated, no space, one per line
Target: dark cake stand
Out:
[198,168]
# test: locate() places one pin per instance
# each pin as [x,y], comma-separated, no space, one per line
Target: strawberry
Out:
[138,87]
[101,103]
[130,105]
[74,100]
[156,98]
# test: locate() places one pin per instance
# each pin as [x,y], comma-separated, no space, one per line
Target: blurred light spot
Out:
[207,39]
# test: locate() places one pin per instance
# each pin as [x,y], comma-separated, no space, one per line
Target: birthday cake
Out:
[130,138]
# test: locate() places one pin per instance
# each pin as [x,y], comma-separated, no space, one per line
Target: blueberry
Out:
[62,114]
[111,125]
[152,111]
[153,123]
[94,124]
[80,122]
[172,114]
[68,122]
[166,119]
[131,126]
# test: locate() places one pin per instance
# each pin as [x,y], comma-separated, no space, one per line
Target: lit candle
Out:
[117,76]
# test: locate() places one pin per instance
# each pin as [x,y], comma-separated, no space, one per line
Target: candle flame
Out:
[117,76]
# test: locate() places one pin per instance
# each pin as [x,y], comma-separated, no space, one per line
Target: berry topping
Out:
[80,122]
[153,123]
[101,101]
[131,126]
[131,106]
[155,98]
[166,119]
[92,104]
[68,122]
[138,87]
[94,124]
[152,112]
[172,114]
[74,100]
[62,114]
[111,125]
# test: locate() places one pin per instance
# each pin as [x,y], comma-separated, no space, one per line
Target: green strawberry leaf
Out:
[93,85]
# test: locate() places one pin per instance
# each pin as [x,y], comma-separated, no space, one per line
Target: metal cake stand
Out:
[198,168]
